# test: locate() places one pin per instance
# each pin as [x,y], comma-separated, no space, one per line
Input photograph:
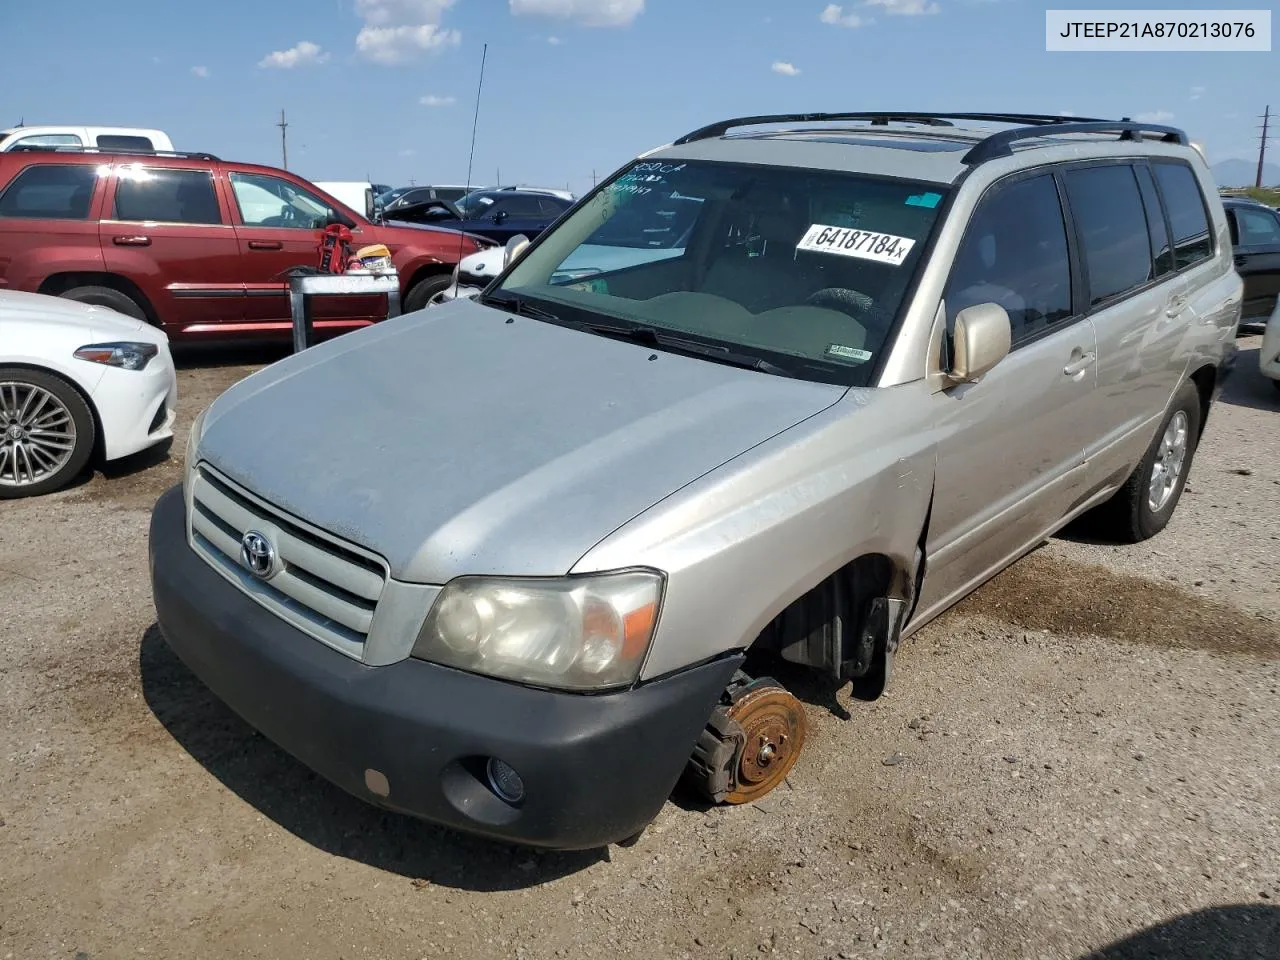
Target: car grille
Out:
[324,587]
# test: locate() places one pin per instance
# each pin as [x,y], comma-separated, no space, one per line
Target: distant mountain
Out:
[1241,173]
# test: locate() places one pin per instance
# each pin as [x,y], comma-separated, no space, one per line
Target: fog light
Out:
[504,781]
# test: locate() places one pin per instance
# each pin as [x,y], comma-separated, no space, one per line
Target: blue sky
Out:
[385,88]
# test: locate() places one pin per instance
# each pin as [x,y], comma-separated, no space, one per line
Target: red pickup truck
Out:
[194,244]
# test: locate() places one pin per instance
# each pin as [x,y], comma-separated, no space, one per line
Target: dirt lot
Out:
[1081,752]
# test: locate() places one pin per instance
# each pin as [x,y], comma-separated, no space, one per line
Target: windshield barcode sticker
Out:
[864,244]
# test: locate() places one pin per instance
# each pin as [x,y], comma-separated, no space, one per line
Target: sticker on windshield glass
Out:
[848,353]
[863,244]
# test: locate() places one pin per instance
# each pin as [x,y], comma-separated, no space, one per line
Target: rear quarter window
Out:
[1188,219]
[50,192]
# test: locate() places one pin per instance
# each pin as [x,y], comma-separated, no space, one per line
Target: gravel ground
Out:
[1080,757]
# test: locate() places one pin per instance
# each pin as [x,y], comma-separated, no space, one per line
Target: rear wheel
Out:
[46,433]
[750,744]
[106,297]
[1145,504]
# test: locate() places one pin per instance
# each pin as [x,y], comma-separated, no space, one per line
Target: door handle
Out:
[136,241]
[1079,365]
[1175,305]
[265,245]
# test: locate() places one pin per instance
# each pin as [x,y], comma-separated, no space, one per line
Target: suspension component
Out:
[750,743]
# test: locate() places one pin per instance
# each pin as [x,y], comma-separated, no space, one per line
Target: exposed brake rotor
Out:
[773,727]
[750,743]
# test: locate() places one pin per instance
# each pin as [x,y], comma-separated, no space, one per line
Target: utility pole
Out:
[284,142]
[593,179]
[1262,145]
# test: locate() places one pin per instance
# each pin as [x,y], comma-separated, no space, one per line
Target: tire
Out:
[1130,516]
[107,297]
[63,429]
[421,293]
[1276,384]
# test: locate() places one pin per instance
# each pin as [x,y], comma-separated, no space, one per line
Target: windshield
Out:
[474,204]
[804,268]
[386,199]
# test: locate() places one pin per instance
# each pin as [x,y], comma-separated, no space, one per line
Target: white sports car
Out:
[77,382]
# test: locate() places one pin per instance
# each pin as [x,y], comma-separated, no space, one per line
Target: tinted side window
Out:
[166,196]
[1161,250]
[1014,253]
[50,191]
[116,141]
[550,207]
[521,207]
[1257,227]
[1112,227]
[1192,241]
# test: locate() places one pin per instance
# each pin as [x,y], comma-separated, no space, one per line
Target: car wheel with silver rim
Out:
[46,432]
[1145,504]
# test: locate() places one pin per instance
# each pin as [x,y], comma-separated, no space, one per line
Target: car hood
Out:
[103,322]
[462,440]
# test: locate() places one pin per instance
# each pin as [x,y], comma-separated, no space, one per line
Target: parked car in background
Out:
[403,196]
[1255,238]
[496,214]
[551,191]
[196,245]
[518,568]
[76,382]
[103,138]
[356,194]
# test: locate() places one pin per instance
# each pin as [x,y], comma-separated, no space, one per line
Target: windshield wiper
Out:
[656,338]
[522,307]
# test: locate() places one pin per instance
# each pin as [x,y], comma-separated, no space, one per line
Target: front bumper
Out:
[137,408]
[414,736]
[1269,352]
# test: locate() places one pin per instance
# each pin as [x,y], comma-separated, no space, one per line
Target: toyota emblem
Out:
[258,555]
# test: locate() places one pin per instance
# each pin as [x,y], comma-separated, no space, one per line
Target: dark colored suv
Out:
[496,214]
[196,245]
[1255,239]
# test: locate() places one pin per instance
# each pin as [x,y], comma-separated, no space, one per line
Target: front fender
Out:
[741,543]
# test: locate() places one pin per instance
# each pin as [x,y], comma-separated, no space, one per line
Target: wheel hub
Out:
[773,723]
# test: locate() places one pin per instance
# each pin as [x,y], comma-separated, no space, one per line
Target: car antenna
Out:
[462,236]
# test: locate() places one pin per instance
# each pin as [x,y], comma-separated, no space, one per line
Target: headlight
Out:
[127,356]
[573,633]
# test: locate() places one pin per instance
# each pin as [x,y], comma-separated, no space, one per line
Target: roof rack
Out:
[62,148]
[999,144]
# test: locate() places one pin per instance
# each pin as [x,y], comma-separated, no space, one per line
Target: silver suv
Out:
[785,389]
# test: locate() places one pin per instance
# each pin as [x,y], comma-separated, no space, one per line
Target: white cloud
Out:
[431,100]
[589,13]
[834,14]
[554,41]
[1154,116]
[784,68]
[1197,93]
[201,72]
[905,8]
[398,30]
[304,54]
[407,152]
[398,44]
[1066,113]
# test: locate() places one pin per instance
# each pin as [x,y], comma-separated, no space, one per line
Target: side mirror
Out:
[500,216]
[515,247]
[982,339]
[370,207]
